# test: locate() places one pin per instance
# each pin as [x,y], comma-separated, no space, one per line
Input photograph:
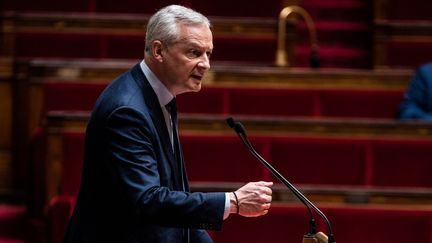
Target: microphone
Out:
[241,132]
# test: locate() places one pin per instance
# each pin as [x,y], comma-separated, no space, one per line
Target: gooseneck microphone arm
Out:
[241,132]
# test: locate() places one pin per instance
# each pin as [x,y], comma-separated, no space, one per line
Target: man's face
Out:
[187,60]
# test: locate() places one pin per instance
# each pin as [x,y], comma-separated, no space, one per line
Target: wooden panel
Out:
[6,114]
[213,124]
[35,107]
[5,171]
[400,10]
[104,71]
[402,44]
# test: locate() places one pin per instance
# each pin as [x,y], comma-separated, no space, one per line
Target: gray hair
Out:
[163,25]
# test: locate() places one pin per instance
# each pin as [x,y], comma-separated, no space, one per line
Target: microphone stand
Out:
[312,236]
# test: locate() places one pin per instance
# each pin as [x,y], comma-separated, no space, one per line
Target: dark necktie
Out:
[172,108]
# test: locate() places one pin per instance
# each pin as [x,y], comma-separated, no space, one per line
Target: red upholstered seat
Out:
[238,8]
[281,224]
[246,50]
[288,223]
[65,96]
[47,5]
[378,225]
[401,10]
[131,6]
[333,57]
[360,103]
[221,159]
[59,211]
[125,46]
[58,45]
[79,45]
[251,101]
[70,156]
[320,160]
[37,178]
[211,100]
[276,102]
[245,101]
[409,53]
[402,163]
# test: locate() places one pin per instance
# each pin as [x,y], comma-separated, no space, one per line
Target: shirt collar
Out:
[163,94]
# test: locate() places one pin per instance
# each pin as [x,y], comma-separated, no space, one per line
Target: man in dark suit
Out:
[134,186]
[417,101]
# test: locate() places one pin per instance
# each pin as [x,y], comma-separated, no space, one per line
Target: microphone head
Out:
[230,122]
[237,126]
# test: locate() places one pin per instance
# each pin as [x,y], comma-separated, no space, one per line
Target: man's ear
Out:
[157,50]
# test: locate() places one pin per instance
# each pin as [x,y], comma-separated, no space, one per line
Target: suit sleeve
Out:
[138,164]
[417,98]
[201,236]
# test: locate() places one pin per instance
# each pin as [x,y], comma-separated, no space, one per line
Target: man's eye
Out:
[195,53]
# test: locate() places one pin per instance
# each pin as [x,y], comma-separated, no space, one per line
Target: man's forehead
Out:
[196,42]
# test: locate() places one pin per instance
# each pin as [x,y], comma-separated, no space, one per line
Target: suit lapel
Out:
[158,119]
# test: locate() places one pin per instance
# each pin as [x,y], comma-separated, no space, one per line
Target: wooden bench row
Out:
[328,159]
[325,158]
[248,8]
[41,70]
[239,100]
[76,121]
[383,9]
[121,36]
[43,85]
[49,84]
[396,42]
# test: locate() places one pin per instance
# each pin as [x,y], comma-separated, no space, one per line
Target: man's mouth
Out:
[197,77]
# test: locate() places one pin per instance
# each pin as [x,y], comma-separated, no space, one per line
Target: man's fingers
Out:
[264,183]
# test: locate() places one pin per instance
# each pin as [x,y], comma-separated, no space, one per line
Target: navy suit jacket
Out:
[417,101]
[131,187]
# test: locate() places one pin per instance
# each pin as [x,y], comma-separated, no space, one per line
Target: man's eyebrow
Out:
[196,45]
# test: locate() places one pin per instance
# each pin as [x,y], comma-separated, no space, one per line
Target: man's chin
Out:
[196,87]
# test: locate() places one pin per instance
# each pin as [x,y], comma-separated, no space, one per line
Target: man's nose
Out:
[205,62]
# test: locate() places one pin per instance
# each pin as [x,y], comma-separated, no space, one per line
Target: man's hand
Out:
[254,199]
